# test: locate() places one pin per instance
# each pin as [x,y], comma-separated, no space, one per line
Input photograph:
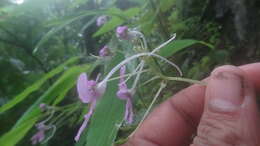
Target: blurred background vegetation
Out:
[37,36]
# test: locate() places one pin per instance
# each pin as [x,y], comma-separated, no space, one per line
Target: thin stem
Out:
[164,44]
[171,63]
[157,49]
[62,118]
[118,66]
[142,37]
[138,76]
[57,117]
[66,107]
[185,80]
[126,75]
[148,81]
[46,120]
[135,71]
[52,134]
[163,85]
[132,58]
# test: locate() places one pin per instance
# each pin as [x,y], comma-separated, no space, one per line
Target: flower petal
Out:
[86,119]
[123,92]
[122,32]
[129,115]
[82,85]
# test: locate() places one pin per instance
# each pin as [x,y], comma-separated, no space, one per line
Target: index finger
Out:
[175,120]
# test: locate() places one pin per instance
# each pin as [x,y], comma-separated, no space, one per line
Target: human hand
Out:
[223,113]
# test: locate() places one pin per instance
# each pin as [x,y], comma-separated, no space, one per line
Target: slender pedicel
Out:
[52,134]
[134,57]
[135,71]
[164,44]
[149,108]
[141,36]
[138,76]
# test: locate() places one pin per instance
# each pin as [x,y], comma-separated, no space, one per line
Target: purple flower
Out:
[101,20]
[43,107]
[40,135]
[125,94]
[89,92]
[122,32]
[104,51]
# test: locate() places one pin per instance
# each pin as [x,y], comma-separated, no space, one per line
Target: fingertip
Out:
[229,68]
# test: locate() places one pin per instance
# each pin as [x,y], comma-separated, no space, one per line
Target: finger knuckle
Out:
[213,131]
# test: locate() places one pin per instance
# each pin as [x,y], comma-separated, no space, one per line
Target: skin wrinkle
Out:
[167,107]
[227,135]
[197,97]
[185,116]
[218,127]
[187,99]
[226,131]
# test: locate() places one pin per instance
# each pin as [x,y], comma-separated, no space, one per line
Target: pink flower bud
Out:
[104,51]
[101,20]
[43,106]
[122,32]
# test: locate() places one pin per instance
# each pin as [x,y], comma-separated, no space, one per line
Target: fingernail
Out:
[225,91]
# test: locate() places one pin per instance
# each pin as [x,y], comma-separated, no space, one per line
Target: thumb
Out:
[230,116]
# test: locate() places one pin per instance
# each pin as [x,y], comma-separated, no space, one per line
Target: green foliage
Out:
[165,5]
[34,87]
[117,20]
[108,115]
[64,82]
[178,45]
[37,37]
[14,136]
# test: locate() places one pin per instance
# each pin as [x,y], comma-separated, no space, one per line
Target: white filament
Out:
[164,44]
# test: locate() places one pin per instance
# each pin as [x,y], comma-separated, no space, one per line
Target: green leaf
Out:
[62,94]
[14,136]
[131,12]
[34,87]
[61,24]
[67,80]
[118,18]
[166,4]
[110,25]
[107,117]
[178,45]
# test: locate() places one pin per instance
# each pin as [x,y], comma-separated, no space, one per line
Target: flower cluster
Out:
[91,91]
[125,94]
[42,127]
[40,135]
